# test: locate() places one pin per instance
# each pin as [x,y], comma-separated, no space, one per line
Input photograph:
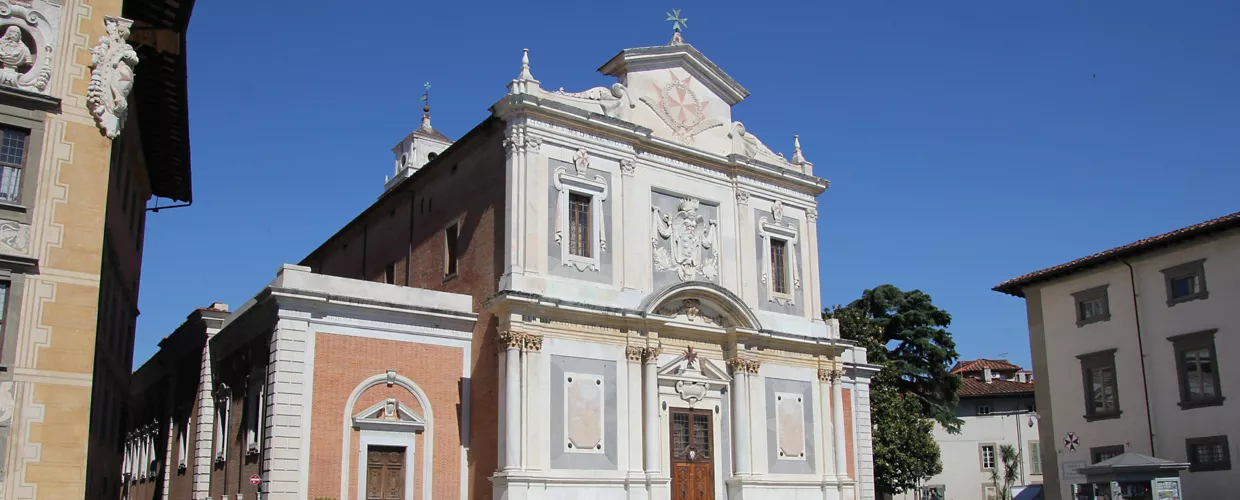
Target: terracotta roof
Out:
[1015,286]
[980,364]
[977,388]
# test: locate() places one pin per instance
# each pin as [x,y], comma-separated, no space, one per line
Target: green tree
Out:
[906,335]
[1011,471]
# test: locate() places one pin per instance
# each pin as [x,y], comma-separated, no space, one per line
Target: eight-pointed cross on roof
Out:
[677,22]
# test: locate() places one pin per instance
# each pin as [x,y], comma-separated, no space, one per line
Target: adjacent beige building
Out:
[93,124]
[1134,349]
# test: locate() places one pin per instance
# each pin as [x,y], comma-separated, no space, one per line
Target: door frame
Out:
[705,406]
[368,438]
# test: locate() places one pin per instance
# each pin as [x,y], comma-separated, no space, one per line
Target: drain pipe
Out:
[1145,386]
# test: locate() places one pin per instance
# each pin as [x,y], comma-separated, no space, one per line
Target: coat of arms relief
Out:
[692,242]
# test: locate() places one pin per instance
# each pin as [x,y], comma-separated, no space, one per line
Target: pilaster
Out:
[286,416]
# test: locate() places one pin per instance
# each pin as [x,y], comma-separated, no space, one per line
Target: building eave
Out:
[1016,286]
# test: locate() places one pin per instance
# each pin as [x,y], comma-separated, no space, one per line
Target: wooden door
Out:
[693,472]
[385,473]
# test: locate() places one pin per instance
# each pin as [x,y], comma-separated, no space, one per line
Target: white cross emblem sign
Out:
[1071,441]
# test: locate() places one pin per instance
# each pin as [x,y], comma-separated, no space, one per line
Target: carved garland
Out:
[111,77]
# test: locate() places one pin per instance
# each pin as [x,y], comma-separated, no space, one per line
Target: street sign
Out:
[255,479]
[1071,441]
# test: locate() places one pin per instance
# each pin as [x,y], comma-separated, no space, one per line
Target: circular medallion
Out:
[681,105]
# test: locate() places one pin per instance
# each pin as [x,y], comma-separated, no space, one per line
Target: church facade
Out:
[602,294]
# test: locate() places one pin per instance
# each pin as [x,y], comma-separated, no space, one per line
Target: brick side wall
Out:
[465,185]
[244,366]
[343,362]
[848,433]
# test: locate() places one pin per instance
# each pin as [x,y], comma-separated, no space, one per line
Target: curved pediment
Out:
[389,415]
[701,303]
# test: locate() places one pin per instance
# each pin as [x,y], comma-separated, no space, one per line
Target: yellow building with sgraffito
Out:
[93,127]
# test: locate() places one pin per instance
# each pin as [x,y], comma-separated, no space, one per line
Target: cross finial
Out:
[426,108]
[678,23]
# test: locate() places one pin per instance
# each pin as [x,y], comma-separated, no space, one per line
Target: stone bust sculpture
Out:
[14,55]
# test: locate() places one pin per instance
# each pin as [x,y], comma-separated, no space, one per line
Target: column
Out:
[740,415]
[531,348]
[634,414]
[511,341]
[837,422]
[827,439]
[650,407]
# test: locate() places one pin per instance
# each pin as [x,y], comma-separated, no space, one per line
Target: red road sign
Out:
[255,479]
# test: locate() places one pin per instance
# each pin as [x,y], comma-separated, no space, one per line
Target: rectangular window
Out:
[4,306]
[1102,453]
[779,265]
[1196,363]
[990,492]
[389,273]
[1035,457]
[934,492]
[450,257]
[1208,453]
[580,240]
[1101,388]
[12,163]
[1185,282]
[988,456]
[983,409]
[1092,306]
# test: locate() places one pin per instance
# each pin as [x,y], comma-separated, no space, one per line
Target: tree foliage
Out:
[905,334]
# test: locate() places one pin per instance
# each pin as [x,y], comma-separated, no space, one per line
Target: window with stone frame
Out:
[1100,385]
[1092,305]
[1102,453]
[983,408]
[990,492]
[1035,457]
[4,307]
[1208,454]
[1196,362]
[580,237]
[779,266]
[1185,282]
[13,143]
[987,456]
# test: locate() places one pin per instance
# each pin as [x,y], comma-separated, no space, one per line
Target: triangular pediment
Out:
[698,370]
[679,94]
[391,415]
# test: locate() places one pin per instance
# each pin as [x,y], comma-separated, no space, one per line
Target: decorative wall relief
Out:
[692,242]
[14,236]
[748,145]
[580,181]
[790,425]
[7,403]
[691,310]
[611,101]
[679,107]
[30,29]
[583,412]
[111,77]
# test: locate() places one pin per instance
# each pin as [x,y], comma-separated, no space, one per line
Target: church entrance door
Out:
[693,474]
[385,473]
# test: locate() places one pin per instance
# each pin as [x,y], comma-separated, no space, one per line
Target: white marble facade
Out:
[696,289]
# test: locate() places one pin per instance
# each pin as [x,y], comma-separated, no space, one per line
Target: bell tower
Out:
[419,147]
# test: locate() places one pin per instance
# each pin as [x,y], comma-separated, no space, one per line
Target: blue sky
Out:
[967,142]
